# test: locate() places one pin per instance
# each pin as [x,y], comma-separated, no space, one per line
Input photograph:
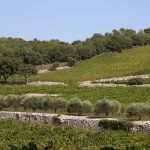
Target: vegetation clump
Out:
[135,81]
[116,125]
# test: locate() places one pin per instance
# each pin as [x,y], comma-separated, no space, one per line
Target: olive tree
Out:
[106,107]
[138,110]
[75,107]
[59,104]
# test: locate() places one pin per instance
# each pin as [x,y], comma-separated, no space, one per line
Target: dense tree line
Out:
[38,52]
[18,56]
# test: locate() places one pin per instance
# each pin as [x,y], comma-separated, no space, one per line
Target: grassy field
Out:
[130,62]
[124,95]
[17,134]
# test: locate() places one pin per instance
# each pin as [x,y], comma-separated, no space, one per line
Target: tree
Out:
[138,109]
[59,104]
[86,106]
[8,67]
[147,30]
[75,106]
[106,107]
[102,106]
[26,71]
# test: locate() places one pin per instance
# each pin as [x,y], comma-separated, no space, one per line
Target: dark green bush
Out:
[56,120]
[135,81]
[116,125]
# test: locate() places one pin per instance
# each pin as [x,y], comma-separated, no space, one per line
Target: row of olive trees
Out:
[74,106]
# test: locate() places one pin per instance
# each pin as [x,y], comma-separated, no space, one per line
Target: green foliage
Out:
[75,107]
[8,67]
[59,104]
[19,134]
[138,109]
[86,106]
[106,107]
[26,71]
[135,81]
[38,52]
[71,62]
[116,125]
[56,120]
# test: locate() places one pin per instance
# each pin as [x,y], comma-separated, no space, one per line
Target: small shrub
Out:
[56,120]
[116,125]
[135,81]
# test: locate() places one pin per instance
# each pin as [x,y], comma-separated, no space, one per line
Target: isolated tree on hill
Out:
[26,71]
[8,67]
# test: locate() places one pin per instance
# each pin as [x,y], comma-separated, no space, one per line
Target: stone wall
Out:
[77,121]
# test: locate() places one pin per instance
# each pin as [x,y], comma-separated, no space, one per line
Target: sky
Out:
[69,20]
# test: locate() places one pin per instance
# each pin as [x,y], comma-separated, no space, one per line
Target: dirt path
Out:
[101,83]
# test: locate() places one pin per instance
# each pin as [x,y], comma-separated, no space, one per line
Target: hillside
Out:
[130,62]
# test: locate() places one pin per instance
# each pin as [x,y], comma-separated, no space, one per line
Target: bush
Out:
[116,125]
[106,107]
[71,61]
[138,110]
[75,107]
[135,81]
[56,120]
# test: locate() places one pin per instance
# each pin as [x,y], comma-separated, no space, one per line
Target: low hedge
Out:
[115,125]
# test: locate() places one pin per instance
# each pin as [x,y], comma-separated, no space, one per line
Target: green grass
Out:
[18,134]
[124,95]
[130,62]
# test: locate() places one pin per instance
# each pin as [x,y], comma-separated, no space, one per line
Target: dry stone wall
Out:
[77,121]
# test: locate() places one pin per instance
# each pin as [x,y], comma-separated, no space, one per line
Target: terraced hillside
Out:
[130,62]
